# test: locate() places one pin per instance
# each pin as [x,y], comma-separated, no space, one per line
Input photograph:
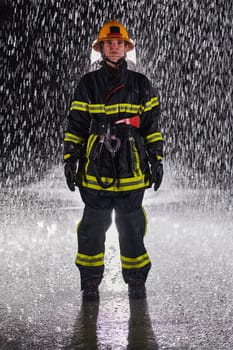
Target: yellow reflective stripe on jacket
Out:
[79,105]
[91,140]
[137,171]
[153,102]
[73,138]
[115,108]
[135,263]
[66,156]
[90,143]
[103,109]
[96,108]
[156,136]
[122,108]
[90,260]
[125,184]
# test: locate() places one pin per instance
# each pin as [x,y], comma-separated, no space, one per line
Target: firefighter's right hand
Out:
[70,174]
[157,174]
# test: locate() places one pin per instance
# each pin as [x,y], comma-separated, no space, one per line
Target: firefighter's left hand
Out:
[157,174]
[70,174]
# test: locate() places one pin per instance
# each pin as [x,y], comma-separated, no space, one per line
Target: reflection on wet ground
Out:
[85,328]
[141,334]
[140,331]
[189,289]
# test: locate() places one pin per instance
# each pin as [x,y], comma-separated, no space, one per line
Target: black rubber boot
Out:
[137,290]
[91,291]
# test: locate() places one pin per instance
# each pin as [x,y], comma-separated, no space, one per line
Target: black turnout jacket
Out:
[113,129]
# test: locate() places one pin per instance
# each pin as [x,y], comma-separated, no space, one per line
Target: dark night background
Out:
[184,47]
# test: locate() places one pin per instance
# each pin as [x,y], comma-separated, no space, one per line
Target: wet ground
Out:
[189,290]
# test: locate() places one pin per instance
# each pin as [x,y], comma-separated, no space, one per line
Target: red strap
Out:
[112,91]
[133,121]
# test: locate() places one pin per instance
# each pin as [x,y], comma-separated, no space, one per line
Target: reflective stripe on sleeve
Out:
[66,156]
[69,137]
[80,106]
[153,102]
[154,137]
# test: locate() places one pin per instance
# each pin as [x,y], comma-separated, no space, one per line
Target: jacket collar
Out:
[114,77]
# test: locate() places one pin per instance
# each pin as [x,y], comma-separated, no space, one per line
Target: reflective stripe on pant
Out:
[135,261]
[91,238]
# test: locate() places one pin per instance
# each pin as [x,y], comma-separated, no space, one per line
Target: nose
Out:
[114,44]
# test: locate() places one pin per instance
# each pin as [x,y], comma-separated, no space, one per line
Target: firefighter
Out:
[113,136]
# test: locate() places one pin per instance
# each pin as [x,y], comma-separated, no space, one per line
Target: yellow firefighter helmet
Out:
[113,30]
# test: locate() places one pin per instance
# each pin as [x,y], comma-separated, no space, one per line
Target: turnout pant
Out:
[130,221]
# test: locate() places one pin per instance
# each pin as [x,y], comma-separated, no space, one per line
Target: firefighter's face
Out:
[114,49]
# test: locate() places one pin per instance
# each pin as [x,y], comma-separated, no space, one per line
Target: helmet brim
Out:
[130,44]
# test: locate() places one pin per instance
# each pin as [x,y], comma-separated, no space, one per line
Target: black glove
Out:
[156,173]
[70,174]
